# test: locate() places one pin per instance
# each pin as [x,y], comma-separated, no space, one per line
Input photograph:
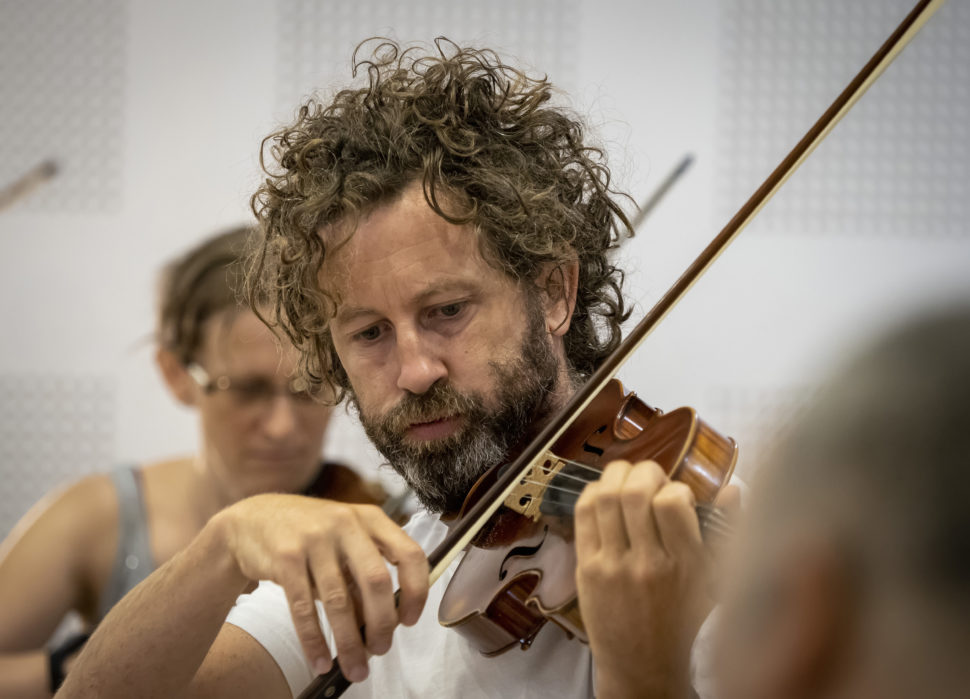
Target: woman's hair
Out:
[195,287]
[489,150]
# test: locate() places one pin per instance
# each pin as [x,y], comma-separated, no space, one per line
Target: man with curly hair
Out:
[436,245]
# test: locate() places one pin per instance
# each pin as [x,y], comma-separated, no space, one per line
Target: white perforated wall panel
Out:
[316,39]
[897,165]
[53,428]
[62,87]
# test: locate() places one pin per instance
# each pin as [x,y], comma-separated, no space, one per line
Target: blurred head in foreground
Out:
[853,576]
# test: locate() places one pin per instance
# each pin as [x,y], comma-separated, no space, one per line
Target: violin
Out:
[521,508]
[519,572]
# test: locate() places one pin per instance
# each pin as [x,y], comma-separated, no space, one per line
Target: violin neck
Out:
[715,526]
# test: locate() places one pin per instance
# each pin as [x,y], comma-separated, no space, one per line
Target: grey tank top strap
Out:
[133,561]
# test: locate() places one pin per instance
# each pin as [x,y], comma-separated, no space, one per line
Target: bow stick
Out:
[661,191]
[27,183]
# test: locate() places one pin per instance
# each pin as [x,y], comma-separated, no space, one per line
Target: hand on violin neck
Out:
[336,553]
[642,578]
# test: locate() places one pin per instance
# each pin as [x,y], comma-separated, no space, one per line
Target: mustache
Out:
[440,400]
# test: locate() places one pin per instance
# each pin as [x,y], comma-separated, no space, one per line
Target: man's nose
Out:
[419,362]
[280,419]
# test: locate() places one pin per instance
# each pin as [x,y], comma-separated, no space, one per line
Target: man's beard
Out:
[441,472]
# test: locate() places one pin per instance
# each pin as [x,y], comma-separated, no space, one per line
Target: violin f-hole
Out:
[521,551]
[591,448]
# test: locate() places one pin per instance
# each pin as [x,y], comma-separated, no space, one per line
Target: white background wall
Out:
[154,112]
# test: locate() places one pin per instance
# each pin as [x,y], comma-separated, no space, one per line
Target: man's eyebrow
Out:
[351,313]
[463,286]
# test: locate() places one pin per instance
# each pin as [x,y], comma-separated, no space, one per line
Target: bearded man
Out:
[436,242]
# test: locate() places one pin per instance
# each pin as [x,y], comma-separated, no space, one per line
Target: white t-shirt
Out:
[426,660]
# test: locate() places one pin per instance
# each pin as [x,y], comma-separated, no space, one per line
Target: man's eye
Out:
[450,310]
[370,334]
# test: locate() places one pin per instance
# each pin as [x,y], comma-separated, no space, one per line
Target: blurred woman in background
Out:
[85,547]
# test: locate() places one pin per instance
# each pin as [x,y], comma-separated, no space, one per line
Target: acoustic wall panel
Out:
[53,429]
[897,164]
[62,93]
[316,39]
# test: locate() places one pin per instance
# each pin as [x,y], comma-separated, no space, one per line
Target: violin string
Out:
[707,525]
[711,517]
[573,477]
[722,528]
[713,512]
[704,509]
[547,486]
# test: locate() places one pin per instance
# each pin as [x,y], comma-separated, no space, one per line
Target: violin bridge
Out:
[527,496]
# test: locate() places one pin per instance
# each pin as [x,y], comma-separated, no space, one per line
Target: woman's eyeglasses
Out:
[251,392]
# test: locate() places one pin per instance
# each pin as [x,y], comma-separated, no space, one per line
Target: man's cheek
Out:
[369,412]
[359,391]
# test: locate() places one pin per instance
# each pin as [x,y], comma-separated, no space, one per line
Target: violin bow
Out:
[650,203]
[462,531]
[25,184]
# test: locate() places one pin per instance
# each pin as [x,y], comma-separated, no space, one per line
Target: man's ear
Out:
[559,283]
[181,385]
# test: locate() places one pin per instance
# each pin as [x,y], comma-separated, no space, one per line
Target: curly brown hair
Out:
[490,151]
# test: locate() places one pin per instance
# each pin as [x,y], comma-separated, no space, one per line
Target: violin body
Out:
[520,570]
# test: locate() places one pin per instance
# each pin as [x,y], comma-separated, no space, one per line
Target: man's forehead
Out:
[375,230]
[363,280]
[404,244]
